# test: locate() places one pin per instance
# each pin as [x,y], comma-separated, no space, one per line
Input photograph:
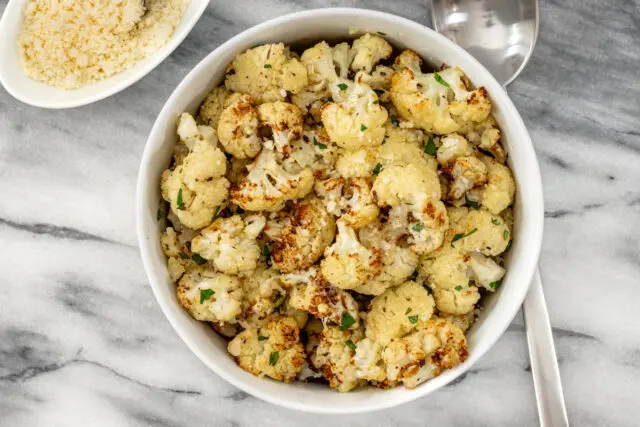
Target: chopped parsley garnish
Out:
[320,146]
[363,128]
[471,203]
[377,169]
[413,319]
[180,202]
[496,284]
[347,321]
[266,253]
[381,33]
[384,141]
[429,259]
[198,259]
[440,80]
[417,227]
[376,102]
[430,148]
[351,345]
[184,256]
[267,65]
[261,338]
[462,236]
[458,288]
[495,222]
[215,214]
[205,294]
[330,99]
[273,358]
[160,214]
[342,86]
[505,235]
[508,245]
[277,299]
[395,120]
[408,311]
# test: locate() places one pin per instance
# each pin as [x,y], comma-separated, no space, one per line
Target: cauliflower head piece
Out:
[263,295]
[499,191]
[398,263]
[273,350]
[231,243]
[478,230]
[356,119]
[266,73]
[212,106]
[367,51]
[285,121]
[438,102]
[465,173]
[306,233]
[349,199]
[397,311]
[238,128]
[210,296]
[333,358]
[347,263]
[268,185]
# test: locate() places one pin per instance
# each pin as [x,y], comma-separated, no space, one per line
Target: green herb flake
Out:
[261,338]
[458,288]
[273,358]
[205,294]
[266,253]
[330,99]
[376,102]
[430,148]
[395,120]
[462,236]
[342,86]
[413,319]
[384,141]
[215,214]
[496,284]
[417,227]
[276,299]
[377,169]
[505,235]
[495,222]
[351,345]
[160,214]
[198,259]
[320,146]
[363,128]
[408,311]
[267,65]
[184,256]
[347,321]
[508,245]
[471,203]
[381,33]
[440,80]
[180,202]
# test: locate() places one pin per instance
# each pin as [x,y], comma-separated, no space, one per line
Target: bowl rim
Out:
[14,10]
[528,264]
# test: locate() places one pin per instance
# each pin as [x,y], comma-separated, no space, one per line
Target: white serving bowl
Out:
[39,94]
[314,25]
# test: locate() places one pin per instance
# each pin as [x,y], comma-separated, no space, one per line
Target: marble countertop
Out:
[83,342]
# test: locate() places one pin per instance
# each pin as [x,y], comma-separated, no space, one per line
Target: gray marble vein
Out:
[83,342]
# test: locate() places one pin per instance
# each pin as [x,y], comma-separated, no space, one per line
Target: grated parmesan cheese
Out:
[72,43]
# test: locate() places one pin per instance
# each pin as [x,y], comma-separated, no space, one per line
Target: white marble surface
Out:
[83,343]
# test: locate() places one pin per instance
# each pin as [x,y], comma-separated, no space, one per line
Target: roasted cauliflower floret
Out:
[404,146]
[367,360]
[304,237]
[438,102]
[425,353]
[190,132]
[466,173]
[231,243]
[210,296]
[398,311]
[268,185]
[177,259]
[356,119]
[446,268]
[486,272]
[285,121]
[379,79]
[498,193]
[400,183]
[212,106]
[314,151]
[333,357]
[451,147]
[348,263]
[263,295]
[459,300]
[351,200]
[273,350]
[367,51]
[357,163]
[311,292]
[266,73]
[321,61]
[238,128]
[196,188]
[479,230]
[408,59]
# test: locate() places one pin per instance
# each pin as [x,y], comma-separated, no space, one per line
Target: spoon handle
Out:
[544,363]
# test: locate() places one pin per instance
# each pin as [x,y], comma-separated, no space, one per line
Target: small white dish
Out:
[334,24]
[39,94]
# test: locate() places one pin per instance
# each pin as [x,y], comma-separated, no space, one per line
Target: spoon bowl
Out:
[501,34]
[39,94]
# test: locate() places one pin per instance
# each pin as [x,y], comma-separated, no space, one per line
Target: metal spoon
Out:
[501,34]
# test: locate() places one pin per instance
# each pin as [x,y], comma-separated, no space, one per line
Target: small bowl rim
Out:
[14,10]
[529,264]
